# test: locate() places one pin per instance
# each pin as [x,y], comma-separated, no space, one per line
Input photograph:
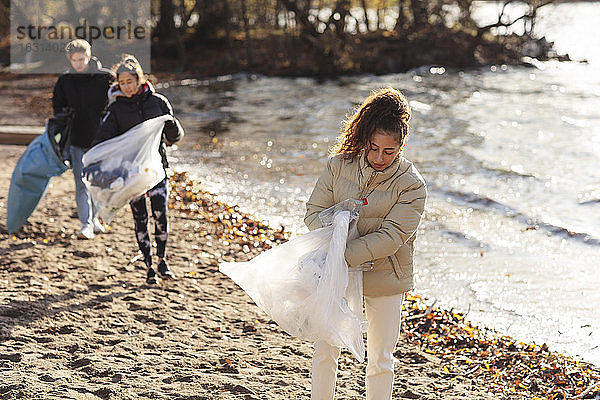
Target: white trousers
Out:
[383,314]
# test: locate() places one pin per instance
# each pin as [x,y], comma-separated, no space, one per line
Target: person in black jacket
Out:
[135,102]
[83,88]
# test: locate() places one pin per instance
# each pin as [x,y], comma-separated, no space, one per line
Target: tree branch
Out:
[499,23]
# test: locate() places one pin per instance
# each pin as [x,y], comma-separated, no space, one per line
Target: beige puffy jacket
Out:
[387,224]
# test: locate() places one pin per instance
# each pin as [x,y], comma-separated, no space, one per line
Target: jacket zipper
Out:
[371,179]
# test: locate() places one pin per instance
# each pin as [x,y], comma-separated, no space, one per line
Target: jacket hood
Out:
[94,67]
[115,93]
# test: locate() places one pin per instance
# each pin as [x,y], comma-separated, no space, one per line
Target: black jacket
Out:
[86,94]
[126,112]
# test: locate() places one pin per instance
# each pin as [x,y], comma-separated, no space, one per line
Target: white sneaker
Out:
[86,232]
[99,227]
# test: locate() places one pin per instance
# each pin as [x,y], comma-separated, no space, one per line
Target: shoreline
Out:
[28,96]
[443,332]
[77,318]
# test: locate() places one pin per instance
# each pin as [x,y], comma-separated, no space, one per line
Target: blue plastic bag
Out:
[30,179]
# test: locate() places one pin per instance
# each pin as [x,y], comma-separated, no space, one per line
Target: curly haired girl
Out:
[367,165]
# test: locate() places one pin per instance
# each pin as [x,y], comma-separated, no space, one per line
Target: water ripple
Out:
[484,203]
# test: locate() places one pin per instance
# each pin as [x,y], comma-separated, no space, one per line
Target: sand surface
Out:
[77,320]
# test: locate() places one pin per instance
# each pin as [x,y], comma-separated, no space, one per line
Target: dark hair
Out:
[130,65]
[78,46]
[385,111]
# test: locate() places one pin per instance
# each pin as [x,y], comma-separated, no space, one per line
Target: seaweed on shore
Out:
[514,369]
[510,366]
[235,226]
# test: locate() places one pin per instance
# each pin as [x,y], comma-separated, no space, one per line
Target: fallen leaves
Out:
[234,226]
[511,367]
[514,367]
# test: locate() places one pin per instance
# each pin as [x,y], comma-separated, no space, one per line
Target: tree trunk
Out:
[165,30]
[276,15]
[308,5]
[366,15]
[342,8]
[419,13]
[4,17]
[301,15]
[181,53]
[227,11]
[401,20]
[246,32]
[166,25]
[187,15]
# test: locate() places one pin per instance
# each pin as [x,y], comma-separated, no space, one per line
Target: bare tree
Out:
[401,19]
[4,17]
[166,29]
[246,32]
[503,22]
[419,13]
[166,24]
[365,14]
[301,15]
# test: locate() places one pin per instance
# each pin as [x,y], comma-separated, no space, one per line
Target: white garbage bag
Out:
[122,168]
[303,285]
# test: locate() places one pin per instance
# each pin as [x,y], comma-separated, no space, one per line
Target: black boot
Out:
[151,278]
[164,270]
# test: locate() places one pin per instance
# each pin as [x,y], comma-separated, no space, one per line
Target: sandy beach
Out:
[77,320]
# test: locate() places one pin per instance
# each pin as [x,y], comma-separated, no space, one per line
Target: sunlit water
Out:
[510,155]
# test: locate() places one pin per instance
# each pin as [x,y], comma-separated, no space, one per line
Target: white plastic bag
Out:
[354,291]
[303,286]
[122,168]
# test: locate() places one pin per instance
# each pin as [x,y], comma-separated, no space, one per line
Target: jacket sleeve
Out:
[173,131]
[322,196]
[109,127]
[108,81]
[398,226]
[59,99]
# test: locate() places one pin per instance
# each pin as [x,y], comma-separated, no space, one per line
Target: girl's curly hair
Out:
[385,111]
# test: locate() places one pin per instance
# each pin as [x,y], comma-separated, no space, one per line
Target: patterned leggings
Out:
[158,202]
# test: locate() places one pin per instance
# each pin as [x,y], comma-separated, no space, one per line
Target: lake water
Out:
[510,154]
